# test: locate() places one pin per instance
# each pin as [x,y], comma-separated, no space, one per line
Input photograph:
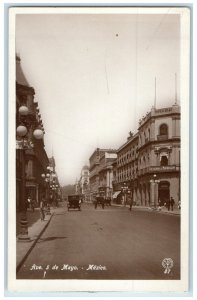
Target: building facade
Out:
[84,182]
[101,171]
[149,162]
[82,185]
[30,152]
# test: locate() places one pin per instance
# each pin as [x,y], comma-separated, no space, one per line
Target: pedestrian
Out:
[172,203]
[159,204]
[168,204]
[51,199]
[32,204]
[179,204]
[42,206]
[29,202]
[131,204]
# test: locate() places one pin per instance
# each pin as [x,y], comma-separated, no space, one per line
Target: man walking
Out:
[172,203]
[42,206]
[168,204]
[131,203]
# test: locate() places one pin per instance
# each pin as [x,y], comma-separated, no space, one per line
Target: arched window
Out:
[163,129]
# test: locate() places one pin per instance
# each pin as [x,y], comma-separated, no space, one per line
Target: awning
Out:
[115,195]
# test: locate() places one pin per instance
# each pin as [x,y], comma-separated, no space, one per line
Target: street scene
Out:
[109,243]
[98,175]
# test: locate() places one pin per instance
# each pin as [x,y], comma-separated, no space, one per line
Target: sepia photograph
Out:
[98,157]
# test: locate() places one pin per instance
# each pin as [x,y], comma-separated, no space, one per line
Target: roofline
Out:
[128,142]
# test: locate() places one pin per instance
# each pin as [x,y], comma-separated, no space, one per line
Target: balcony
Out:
[162,137]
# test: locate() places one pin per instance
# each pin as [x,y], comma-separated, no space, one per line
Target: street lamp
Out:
[24,142]
[49,179]
[154,191]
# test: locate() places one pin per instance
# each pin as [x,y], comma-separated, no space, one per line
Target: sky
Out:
[94,77]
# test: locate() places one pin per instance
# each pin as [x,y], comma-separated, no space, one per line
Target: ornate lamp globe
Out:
[49,168]
[23,110]
[53,175]
[21,130]
[48,175]
[43,175]
[38,134]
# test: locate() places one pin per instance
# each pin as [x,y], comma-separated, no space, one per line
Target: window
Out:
[163,129]
[164,160]
[149,133]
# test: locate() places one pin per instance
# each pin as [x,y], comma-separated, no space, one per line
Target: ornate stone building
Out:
[82,185]
[30,152]
[101,171]
[149,162]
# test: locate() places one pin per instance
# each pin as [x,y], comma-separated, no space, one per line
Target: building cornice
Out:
[129,141]
[157,142]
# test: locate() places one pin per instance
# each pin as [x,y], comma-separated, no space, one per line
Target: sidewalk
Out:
[162,210]
[35,229]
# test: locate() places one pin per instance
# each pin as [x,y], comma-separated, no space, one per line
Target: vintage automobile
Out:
[99,200]
[74,202]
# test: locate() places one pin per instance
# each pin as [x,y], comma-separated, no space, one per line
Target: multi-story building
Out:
[77,187]
[84,182]
[82,185]
[149,162]
[127,165]
[30,153]
[106,172]
[101,174]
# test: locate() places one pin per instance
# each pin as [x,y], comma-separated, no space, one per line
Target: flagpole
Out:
[155,93]
[175,89]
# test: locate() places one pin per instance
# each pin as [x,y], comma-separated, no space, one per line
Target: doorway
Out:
[164,192]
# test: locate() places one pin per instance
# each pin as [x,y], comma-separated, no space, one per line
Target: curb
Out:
[32,246]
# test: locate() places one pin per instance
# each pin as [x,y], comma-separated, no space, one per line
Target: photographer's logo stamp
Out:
[167,263]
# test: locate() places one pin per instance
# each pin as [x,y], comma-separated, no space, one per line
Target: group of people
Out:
[169,204]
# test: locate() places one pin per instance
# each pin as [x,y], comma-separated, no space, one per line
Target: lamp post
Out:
[49,178]
[46,178]
[154,191]
[54,189]
[23,142]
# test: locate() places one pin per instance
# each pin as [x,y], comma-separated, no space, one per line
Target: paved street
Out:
[113,243]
